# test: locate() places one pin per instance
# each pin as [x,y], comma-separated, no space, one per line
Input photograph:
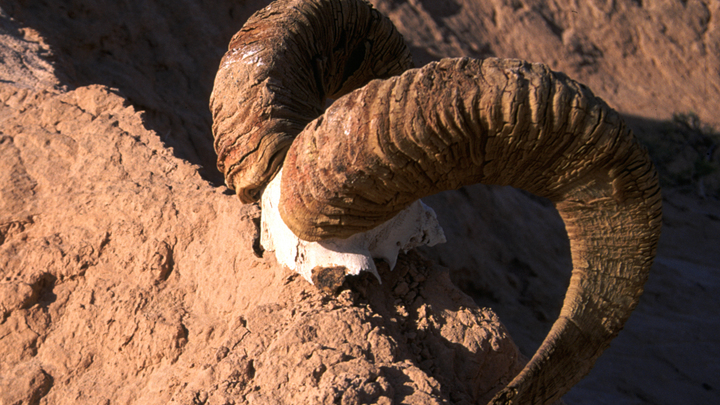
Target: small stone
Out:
[401,288]
[410,296]
[328,279]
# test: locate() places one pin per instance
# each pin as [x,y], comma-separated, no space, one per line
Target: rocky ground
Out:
[127,271]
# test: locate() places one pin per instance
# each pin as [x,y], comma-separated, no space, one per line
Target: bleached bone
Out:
[414,226]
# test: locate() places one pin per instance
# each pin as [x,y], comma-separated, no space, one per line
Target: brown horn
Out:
[278,71]
[503,122]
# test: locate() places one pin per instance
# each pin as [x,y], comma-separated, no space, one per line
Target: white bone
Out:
[414,226]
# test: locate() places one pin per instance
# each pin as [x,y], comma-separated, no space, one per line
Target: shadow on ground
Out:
[161,55]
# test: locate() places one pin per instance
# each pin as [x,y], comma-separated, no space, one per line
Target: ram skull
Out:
[397,134]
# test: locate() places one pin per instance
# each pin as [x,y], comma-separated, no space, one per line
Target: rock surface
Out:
[127,273]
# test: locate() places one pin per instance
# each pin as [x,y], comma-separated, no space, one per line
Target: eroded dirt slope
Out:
[127,278]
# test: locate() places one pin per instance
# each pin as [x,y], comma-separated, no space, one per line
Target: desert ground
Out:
[128,272]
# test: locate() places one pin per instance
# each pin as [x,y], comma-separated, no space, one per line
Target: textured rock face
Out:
[126,278]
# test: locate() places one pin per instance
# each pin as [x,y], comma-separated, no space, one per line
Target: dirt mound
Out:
[127,278]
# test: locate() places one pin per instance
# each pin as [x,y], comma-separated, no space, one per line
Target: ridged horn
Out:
[278,71]
[504,122]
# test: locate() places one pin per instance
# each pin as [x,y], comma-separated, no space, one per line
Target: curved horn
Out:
[279,70]
[504,122]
